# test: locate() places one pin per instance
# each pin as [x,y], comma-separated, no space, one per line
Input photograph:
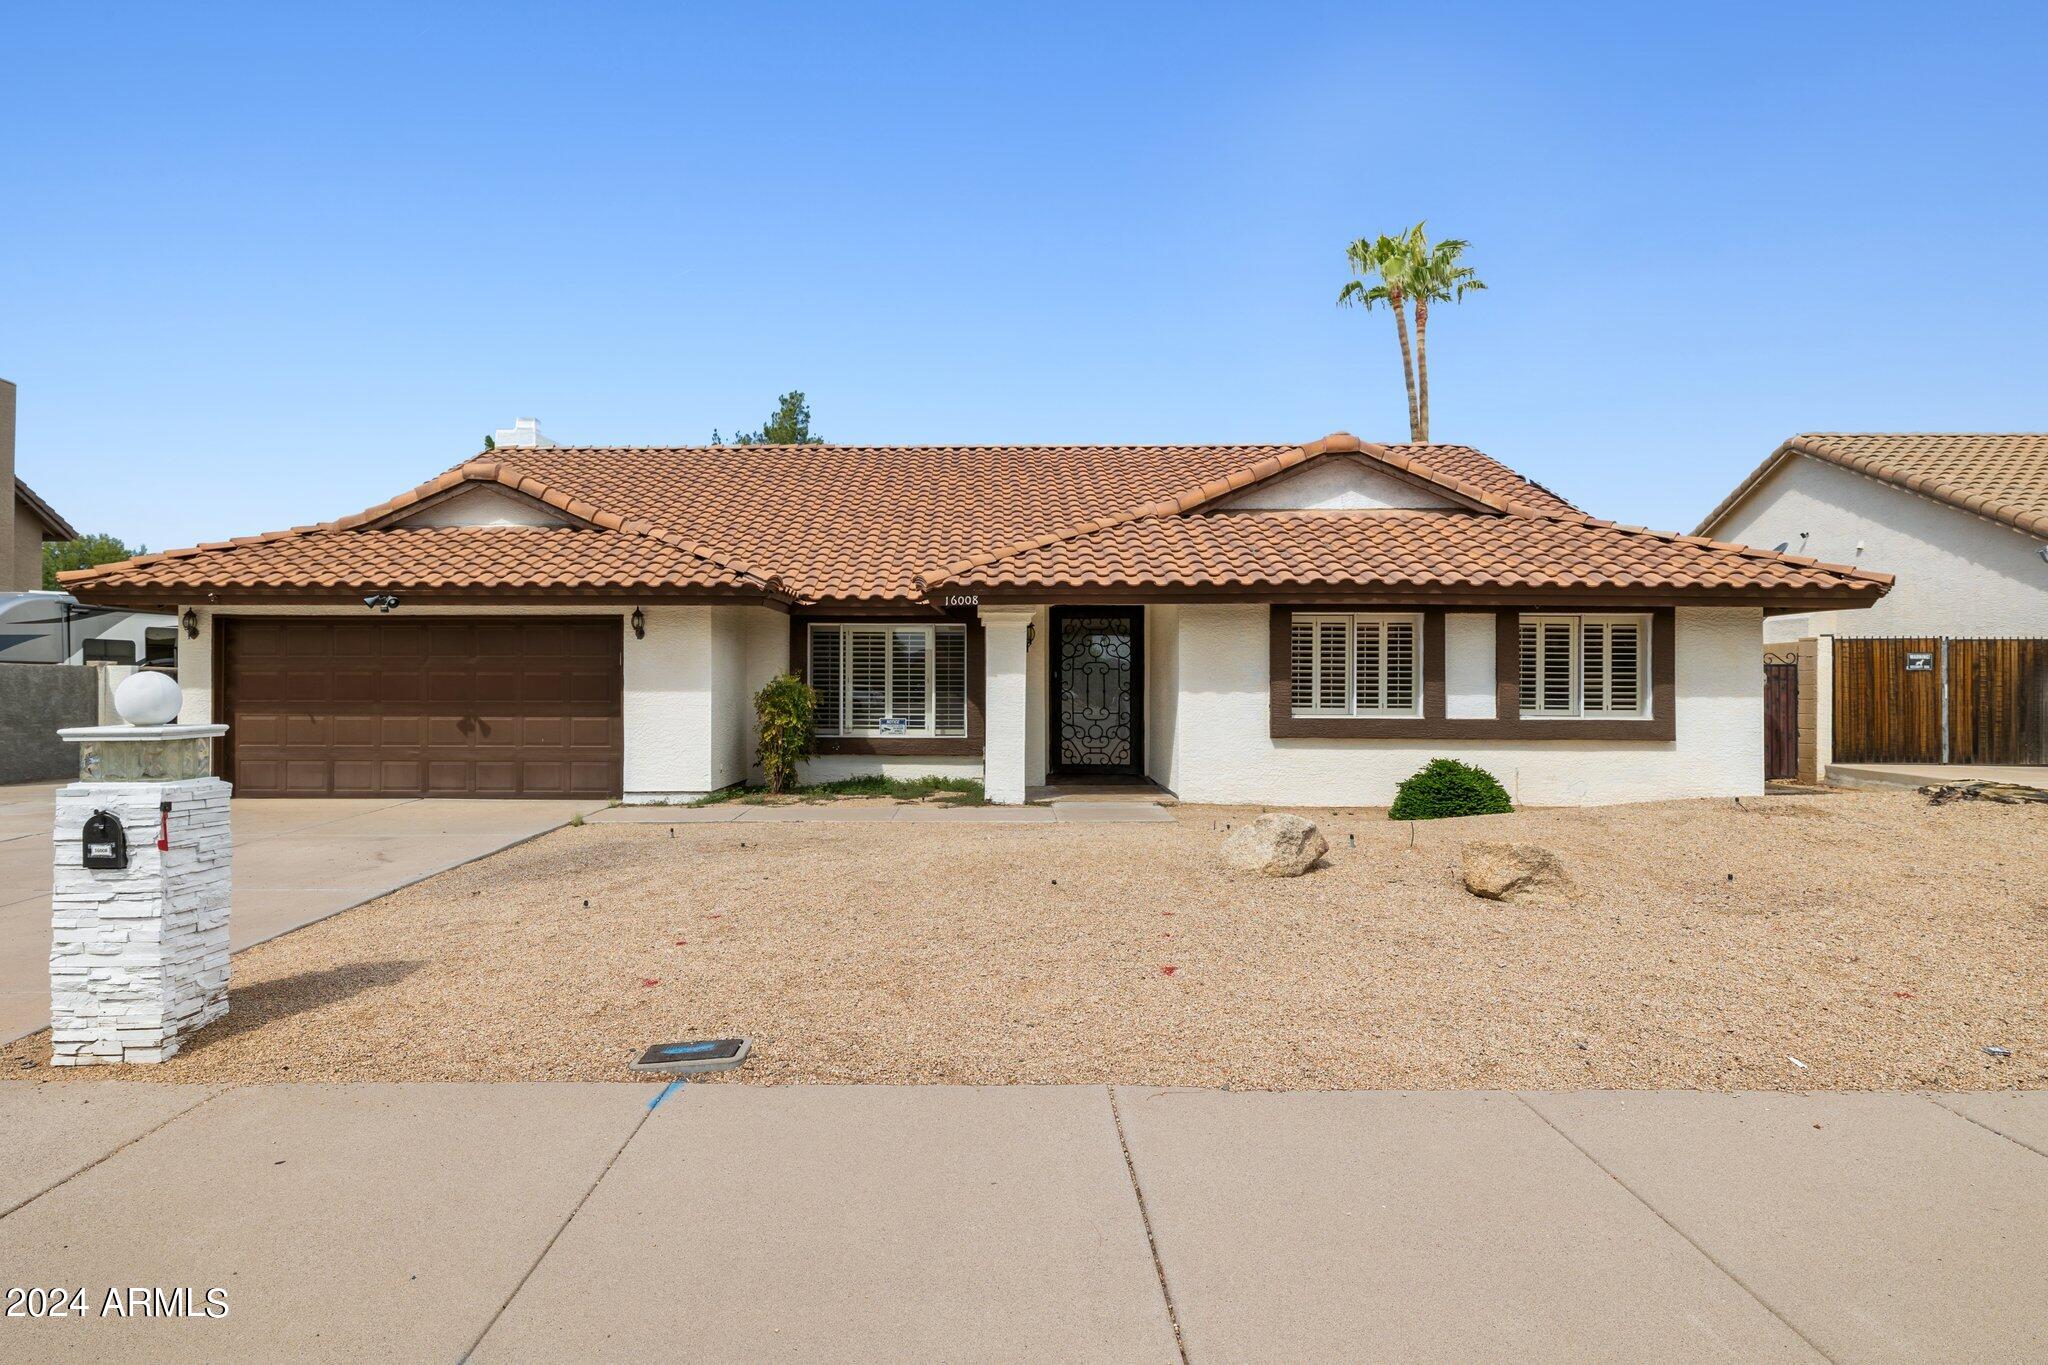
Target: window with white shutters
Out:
[889,680]
[1355,664]
[1585,666]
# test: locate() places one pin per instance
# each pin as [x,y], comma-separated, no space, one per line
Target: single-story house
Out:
[1952,666]
[1238,623]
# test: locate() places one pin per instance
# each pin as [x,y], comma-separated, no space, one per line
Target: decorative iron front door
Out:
[1097,720]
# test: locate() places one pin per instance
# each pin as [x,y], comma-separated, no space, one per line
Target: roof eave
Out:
[169,596]
[44,512]
[1775,601]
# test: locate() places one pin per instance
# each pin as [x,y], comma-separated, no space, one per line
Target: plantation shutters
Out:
[890,680]
[1585,666]
[826,679]
[1354,664]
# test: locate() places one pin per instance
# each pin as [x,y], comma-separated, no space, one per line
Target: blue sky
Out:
[264,266]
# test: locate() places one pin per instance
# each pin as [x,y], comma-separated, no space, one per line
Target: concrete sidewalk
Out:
[295,862]
[551,1222]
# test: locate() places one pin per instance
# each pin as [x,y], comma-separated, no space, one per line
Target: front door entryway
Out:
[1098,689]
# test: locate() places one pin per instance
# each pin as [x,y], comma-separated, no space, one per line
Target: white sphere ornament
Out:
[148,699]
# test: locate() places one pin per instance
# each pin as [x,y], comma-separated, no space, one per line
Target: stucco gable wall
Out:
[1334,485]
[1958,574]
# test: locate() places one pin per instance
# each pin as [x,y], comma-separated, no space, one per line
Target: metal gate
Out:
[1781,721]
[1932,699]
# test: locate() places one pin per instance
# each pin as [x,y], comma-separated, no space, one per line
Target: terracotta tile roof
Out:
[507,557]
[1999,475]
[1398,550]
[824,523]
[365,550]
[865,522]
[868,522]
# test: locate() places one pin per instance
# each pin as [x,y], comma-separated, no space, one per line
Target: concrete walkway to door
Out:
[295,862]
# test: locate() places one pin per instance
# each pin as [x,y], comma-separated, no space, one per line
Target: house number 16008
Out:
[962,600]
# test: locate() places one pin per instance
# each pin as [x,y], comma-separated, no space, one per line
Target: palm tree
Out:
[1434,276]
[1391,259]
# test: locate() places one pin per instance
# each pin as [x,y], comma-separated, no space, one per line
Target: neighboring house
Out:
[1280,623]
[1953,664]
[50,627]
[29,521]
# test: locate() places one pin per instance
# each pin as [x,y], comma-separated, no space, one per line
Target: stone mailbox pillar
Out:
[139,912]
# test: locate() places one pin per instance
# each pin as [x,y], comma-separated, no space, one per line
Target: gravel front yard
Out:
[1881,942]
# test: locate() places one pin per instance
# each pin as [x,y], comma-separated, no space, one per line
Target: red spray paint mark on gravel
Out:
[1168,971]
[650,981]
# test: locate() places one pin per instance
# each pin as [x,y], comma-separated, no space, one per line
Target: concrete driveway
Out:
[295,862]
[547,1222]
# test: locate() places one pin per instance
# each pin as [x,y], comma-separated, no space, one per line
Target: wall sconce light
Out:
[1030,634]
[639,624]
[190,620]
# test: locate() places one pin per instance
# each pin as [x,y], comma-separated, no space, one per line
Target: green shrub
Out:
[1448,787]
[787,711]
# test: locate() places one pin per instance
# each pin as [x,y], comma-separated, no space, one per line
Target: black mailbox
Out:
[106,843]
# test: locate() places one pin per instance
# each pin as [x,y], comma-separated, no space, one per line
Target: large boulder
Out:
[1526,874]
[1275,846]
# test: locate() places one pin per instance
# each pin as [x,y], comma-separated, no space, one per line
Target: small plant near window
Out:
[787,713]
[1446,787]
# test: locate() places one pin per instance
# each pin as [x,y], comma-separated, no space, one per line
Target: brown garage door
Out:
[429,707]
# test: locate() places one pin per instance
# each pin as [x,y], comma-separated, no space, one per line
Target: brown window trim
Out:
[903,746]
[1507,723]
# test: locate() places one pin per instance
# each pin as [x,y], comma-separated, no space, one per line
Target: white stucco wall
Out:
[1468,665]
[486,507]
[1007,712]
[673,750]
[1227,752]
[1162,693]
[1345,484]
[835,767]
[1958,574]
[1037,698]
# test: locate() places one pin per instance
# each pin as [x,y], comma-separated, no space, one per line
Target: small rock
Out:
[1275,846]
[1525,874]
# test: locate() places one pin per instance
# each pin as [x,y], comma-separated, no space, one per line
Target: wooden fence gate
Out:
[1781,721]
[1931,699]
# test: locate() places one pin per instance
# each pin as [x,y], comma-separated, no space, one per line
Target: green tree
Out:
[1408,269]
[490,442]
[1436,276]
[83,553]
[788,425]
[1388,259]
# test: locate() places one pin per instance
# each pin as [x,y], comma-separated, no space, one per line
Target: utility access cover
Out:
[694,1057]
